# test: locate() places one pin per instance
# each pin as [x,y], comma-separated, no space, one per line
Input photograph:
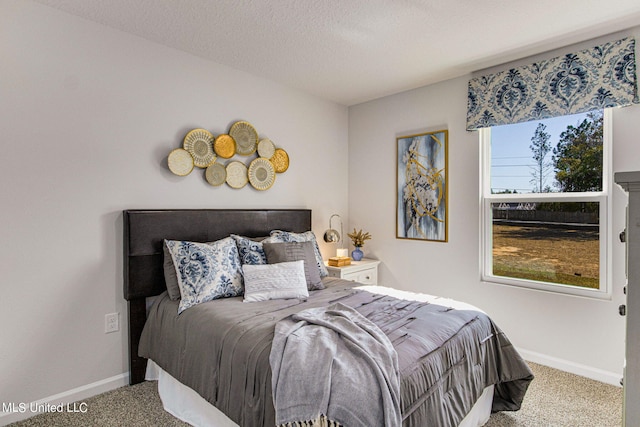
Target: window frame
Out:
[603,197]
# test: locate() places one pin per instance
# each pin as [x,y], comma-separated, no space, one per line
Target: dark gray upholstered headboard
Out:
[144,231]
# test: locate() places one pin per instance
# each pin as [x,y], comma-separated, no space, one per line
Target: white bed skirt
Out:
[187,405]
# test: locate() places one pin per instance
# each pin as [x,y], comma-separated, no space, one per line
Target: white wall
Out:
[581,335]
[88,115]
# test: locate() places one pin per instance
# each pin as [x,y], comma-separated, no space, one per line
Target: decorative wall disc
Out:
[180,162]
[216,174]
[224,146]
[201,149]
[261,173]
[280,160]
[246,137]
[237,175]
[266,148]
[199,143]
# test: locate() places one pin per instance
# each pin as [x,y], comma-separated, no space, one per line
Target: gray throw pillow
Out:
[170,277]
[307,236]
[296,251]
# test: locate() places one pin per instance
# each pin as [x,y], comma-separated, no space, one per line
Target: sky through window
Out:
[512,164]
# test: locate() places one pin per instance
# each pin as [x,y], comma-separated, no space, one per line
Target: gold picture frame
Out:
[422,186]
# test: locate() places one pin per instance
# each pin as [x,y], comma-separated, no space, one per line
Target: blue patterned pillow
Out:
[250,251]
[206,271]
[307,236]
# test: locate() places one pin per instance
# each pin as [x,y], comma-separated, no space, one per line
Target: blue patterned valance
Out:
[600,77]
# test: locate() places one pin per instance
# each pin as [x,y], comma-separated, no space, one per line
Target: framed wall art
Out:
[422,191]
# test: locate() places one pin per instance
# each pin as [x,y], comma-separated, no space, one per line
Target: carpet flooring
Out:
[554,399]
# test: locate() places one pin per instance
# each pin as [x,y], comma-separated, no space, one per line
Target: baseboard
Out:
[607,377]
[24,410]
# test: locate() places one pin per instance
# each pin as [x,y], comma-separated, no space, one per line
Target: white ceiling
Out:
[351,51]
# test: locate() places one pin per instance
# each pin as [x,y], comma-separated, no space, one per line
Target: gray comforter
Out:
[446,357]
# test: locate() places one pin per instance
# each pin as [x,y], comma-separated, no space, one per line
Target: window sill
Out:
[553,288]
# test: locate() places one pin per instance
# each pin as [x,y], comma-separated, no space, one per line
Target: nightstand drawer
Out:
[367,277]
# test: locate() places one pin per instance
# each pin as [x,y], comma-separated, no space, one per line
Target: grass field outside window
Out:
[567,255]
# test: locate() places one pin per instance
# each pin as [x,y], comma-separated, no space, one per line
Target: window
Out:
[545,204]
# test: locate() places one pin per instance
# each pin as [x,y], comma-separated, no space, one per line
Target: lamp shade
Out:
[331,236]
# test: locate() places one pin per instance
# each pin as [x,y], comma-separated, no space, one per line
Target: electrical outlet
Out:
[111,322]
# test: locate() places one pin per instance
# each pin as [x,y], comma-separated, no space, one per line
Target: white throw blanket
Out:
[332,366]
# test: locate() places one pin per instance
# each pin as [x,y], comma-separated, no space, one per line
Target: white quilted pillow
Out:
[274,281]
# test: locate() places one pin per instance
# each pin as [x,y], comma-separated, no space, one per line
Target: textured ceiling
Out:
[351,51]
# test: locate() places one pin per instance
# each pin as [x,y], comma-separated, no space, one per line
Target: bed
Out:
[222,372]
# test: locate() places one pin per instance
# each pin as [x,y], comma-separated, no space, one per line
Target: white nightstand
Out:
[364,271]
